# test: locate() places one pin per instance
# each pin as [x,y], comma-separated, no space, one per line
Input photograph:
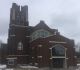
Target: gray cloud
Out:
[68,25]
[4,26]
[4,30]
[60,14]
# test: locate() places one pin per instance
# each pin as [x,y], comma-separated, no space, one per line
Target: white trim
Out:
[12,35]
[27,36]
[58,57]
[18,25]
[50,58]
[39,56]
[39,45]
[28,67]
[75,56]
[41,37]
[12,58]
[48,36]
[50,48]
[18,55]
[65,59]
[56,42]
[32,57]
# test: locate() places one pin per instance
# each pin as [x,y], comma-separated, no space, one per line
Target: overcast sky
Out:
[63,15]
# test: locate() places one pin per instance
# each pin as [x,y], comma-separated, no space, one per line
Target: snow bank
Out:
[3,66]
[29,67]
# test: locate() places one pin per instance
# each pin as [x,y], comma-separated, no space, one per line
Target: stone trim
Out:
[57,42]
[39,56]
[18,25]
[18,55]
[12,35]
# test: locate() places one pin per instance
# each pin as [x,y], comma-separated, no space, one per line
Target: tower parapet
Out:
[19,15]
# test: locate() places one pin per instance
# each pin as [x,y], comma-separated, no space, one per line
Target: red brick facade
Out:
[36,45]
[45,50]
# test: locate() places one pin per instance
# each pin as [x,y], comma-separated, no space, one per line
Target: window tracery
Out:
[40,33]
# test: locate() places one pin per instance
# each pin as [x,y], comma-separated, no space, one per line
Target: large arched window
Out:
[58,50]
[20,46]
[40,33]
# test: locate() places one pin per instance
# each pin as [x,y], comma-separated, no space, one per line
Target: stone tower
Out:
[18,36]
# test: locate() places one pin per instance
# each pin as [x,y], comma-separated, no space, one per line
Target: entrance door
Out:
[58,62]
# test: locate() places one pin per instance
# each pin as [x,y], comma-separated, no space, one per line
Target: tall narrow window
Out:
[13,14]
[20,46]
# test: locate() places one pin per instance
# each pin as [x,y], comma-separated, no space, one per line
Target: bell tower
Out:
[19,15]
[18,35]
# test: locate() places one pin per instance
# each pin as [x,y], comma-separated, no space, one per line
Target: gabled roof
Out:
[41,25]
[44,26]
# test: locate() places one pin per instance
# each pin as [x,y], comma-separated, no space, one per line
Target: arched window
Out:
[40,33]
[20,46]
[58,50]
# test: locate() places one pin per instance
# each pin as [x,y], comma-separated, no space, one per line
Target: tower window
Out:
[20,46]
[13,14]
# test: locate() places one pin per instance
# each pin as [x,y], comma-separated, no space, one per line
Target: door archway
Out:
[58,55]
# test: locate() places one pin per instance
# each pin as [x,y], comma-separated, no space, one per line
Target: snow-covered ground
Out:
[78,67]
[29,67]
[4,67]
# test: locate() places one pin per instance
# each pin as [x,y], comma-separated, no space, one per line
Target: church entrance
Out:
[58,56]
[58,62]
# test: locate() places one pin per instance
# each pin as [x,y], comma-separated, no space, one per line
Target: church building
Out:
[37,45]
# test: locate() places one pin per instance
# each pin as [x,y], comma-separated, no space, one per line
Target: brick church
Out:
[36,45]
